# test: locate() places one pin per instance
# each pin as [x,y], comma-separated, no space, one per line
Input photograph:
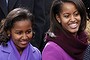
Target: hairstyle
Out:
[56,8]
[17,14]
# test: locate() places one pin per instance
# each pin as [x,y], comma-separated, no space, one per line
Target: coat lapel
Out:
[3,7]
[9,54]
[12,56]
[31,53]
[8,50]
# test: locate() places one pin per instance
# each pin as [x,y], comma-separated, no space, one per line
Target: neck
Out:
[20,50]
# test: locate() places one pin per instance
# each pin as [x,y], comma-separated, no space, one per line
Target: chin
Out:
[74,31]
[23,46]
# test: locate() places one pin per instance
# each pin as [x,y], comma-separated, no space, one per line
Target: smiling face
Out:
[21,33]
[69,17]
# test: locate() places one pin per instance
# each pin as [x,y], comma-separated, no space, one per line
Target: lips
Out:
[24,42]
[73,26]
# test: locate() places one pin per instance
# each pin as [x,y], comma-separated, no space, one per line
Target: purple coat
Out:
[54,52]
[6,53]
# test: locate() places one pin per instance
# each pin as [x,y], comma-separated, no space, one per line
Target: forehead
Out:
[68,6]
[23,24]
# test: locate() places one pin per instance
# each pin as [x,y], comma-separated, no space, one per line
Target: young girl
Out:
[66,39]
[15,36]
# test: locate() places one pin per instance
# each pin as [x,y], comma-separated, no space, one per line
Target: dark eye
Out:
[77,13]
[19,32]
[29,31]
[66,15]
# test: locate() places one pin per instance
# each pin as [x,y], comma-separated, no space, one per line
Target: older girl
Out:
[66,39]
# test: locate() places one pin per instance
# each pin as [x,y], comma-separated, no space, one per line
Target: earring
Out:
[33,34]
[8,35]
[59,21]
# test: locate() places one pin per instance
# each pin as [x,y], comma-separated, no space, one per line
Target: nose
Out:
[72,18]
[24,36]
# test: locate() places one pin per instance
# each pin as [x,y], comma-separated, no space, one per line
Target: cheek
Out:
[79,18]
[64,25]
[63,20]
[30,36]
[15,37]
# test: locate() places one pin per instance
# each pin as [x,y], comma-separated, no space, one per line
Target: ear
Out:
[8,33]
[58,18]
[33,34]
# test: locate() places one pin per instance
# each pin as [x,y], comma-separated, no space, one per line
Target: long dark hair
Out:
[15,15]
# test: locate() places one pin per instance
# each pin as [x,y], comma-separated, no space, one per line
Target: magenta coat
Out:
[54,52]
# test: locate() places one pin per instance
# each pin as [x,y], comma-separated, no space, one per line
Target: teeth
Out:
[73,26]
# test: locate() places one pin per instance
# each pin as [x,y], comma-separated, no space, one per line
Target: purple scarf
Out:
[75,47]
[26,55]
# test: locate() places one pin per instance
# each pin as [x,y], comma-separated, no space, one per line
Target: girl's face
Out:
[21,33]
[69,17]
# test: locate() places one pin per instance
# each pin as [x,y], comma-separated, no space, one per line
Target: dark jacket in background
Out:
[14,4]
[48,4]
[45,27]
[87,5]
[39,13]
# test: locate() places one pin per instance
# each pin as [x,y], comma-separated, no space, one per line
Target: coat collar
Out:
[8,49]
